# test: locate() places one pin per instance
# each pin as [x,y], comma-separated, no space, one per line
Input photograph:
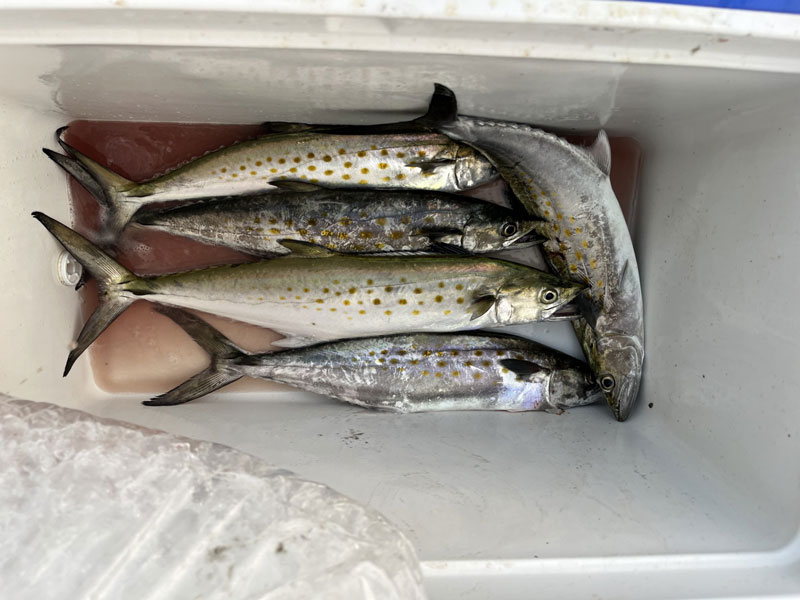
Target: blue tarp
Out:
[786,6]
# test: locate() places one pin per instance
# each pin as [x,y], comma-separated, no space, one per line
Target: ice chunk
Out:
[94,508]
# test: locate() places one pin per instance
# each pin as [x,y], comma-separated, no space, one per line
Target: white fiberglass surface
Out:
[710,467]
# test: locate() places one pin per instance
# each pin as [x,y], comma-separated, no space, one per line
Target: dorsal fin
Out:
[306,249]
[442,109]
[600,151]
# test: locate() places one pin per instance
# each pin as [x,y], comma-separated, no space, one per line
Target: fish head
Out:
[472,168]
[500,233]
[616,360]
[536,296]
[572,386]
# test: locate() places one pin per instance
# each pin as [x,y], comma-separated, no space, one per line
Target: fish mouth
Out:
[566,312]
[525,241]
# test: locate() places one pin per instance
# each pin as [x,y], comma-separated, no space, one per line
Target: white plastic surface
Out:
[93,508]
[696,497]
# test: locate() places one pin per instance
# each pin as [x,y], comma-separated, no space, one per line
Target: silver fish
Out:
[335,296]
[354,221]
[588,241]
[404,373]
[399,156]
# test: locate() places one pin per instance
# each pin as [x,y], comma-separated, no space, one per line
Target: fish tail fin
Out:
[224,367]
[113,280]
[105,186]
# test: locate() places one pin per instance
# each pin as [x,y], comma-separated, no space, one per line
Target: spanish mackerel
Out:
[346,221]
[402,155]
[587,239]
[335,296]
[403,373]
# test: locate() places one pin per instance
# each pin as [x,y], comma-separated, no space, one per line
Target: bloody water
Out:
[144,352]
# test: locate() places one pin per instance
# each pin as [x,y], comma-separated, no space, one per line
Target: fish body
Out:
[404,156]
[587,239]
[314,294]
[346,221]
[404,373]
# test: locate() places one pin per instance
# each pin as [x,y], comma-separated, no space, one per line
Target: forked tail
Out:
[116,286]
[224,367]
[107,187]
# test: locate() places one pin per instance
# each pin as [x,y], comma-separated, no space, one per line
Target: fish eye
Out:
[548,295]
[508,230]
[607,382]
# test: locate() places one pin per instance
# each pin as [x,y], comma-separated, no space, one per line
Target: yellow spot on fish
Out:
[348,164]
[326,233]
[477,375]
[345,176]
[376,301]
[345,221]
[302,231]
[460,301]
[342,151]
[425,373]
[269,159]
[414,312]
[273,170]
[281,161]
[253,173]
[437,375]
[585,244]
[486,363]
[293,170]
[572,219]
[242,168]
[365,235]
[388,288]
[417,290]
[387,312]
[326,158]
[547,213]
[297,297]
[568,232]
[468,363]
[504,370]
[478,352]
[361,153]
[369,282]
[362,312]
[421,153]
[578,230]
[380,221]
[548,203]
[363,182]
[600,283]
[579,255]
[296,159]
[402,301]
[325,290]
[573,268]
[333,310]
[593,263]
[274,230]
[385,179]
[234,174]
[383,165]
[396,235]
[259,163]
[282,297]
[454,373]
[438,299]
[365,170]
[328,172]
[223,170]
[312,168]
[447,312]
[319,301]
[501,353]
[401,176]
[346,302]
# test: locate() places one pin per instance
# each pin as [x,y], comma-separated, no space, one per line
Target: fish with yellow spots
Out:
[587,239]
[400,155]
[354,221]
[404,373]
[314,294]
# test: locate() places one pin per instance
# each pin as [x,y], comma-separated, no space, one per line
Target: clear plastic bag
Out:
[93,508]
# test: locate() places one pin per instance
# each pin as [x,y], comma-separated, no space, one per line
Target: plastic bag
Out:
[94,508]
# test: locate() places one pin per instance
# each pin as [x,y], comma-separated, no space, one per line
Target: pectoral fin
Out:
[295,186]
[481,306]
[306,249]
[523,368]
[429,166]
